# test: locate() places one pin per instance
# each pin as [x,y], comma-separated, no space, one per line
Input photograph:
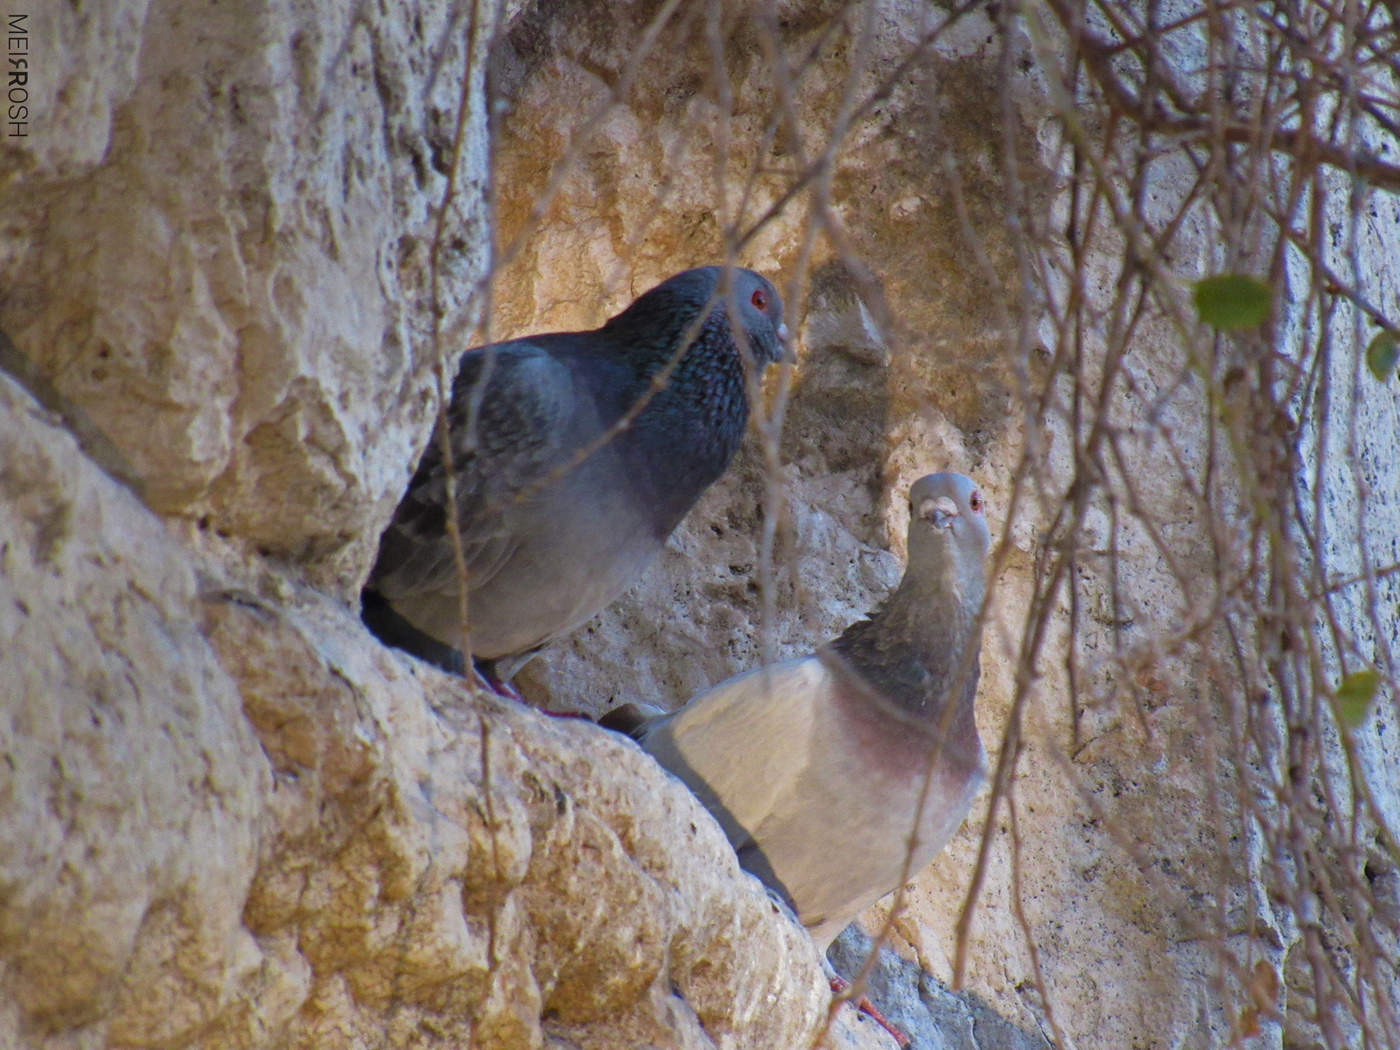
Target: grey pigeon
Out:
[558,515]
[814,766]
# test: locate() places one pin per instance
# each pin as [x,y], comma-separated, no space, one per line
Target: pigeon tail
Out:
[394,630]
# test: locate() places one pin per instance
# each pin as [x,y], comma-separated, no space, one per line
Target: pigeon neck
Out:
[702,408]
[913,648]
[648,332]
[955,594]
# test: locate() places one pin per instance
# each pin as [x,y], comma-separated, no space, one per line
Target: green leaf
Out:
[1354,696]
[1232,300]
[1383,353]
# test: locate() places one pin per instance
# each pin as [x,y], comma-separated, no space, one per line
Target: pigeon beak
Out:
[786,351]
[940,512]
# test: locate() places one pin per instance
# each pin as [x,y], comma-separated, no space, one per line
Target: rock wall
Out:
[233,820]
[228,817]
[1117,912]
[871,411]
[216,243]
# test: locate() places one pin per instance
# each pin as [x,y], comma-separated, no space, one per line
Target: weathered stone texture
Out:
[215,243]
[369,857]
[229,818]
[873,407]
[132,787]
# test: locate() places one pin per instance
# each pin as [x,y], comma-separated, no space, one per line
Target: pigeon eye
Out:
[759,298]
[975,501]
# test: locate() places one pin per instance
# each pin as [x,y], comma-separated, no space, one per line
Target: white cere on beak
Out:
[940,511]
[782,331]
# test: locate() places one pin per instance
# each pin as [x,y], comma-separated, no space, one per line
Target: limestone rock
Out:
[232,818]
[1124,841]
[536,878]
[132,787]
[206,228]
[228,818]
[915,1001]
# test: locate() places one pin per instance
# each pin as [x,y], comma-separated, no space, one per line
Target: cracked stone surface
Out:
[229,818]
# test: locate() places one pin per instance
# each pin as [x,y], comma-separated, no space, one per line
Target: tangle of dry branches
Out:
[1199,501]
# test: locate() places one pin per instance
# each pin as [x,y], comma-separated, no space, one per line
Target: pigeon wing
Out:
[741,746]
[527,419]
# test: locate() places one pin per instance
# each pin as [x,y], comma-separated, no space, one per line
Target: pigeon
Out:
[814,766]
[575,455]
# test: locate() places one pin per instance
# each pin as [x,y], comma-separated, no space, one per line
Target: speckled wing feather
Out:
[528,420]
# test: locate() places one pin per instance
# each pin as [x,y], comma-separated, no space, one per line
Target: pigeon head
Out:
[912,649]
[662,315]
[760,311]
[948,534]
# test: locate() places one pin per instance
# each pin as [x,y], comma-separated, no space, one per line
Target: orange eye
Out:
[759,298]
[975,501]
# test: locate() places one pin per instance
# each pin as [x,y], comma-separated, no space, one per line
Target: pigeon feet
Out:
[864,1005]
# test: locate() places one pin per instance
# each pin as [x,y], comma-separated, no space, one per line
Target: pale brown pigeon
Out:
[814,766]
